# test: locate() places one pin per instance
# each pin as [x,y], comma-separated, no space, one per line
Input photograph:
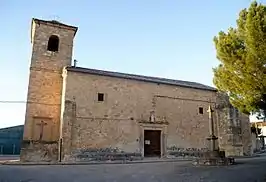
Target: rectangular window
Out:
[100,97]
[201,110]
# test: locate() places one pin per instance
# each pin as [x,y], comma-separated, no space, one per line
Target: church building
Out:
[79,114]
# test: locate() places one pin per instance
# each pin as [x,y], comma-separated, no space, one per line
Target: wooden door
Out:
[152,143]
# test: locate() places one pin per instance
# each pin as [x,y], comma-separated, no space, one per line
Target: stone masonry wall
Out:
[187,127]
[82,136]
[113,123]
[246,135]
[33,151]
[234,140]
[45,90]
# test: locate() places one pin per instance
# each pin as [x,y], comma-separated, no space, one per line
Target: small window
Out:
[53,43]
[201,110]
[100,97]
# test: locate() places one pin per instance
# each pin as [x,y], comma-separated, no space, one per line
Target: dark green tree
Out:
[242,55]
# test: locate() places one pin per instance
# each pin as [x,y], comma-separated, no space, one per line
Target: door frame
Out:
[163,137]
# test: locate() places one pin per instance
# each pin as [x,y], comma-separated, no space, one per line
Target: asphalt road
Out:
[248,170]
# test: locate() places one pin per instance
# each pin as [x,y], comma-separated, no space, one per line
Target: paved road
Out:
[250,170]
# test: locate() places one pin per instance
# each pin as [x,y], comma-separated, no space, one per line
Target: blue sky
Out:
[164,38]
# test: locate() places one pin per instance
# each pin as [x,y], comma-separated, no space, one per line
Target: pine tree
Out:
[242,55]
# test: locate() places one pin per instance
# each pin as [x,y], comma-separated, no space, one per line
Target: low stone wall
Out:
[104,154]
[234,151]
[176,152]
[36,151]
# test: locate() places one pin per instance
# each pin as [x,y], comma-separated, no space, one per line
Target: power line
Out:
[12,102]
[27,102]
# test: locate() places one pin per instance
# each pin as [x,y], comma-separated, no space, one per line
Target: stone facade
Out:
[119,121]
[234,129]
[35,151]
[89,115]
[115,122]
[45,86]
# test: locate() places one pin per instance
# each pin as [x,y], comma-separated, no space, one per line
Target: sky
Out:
[163,38]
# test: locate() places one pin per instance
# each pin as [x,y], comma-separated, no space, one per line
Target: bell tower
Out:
[52,45]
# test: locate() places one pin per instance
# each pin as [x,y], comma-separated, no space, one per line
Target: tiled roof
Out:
[180,83]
